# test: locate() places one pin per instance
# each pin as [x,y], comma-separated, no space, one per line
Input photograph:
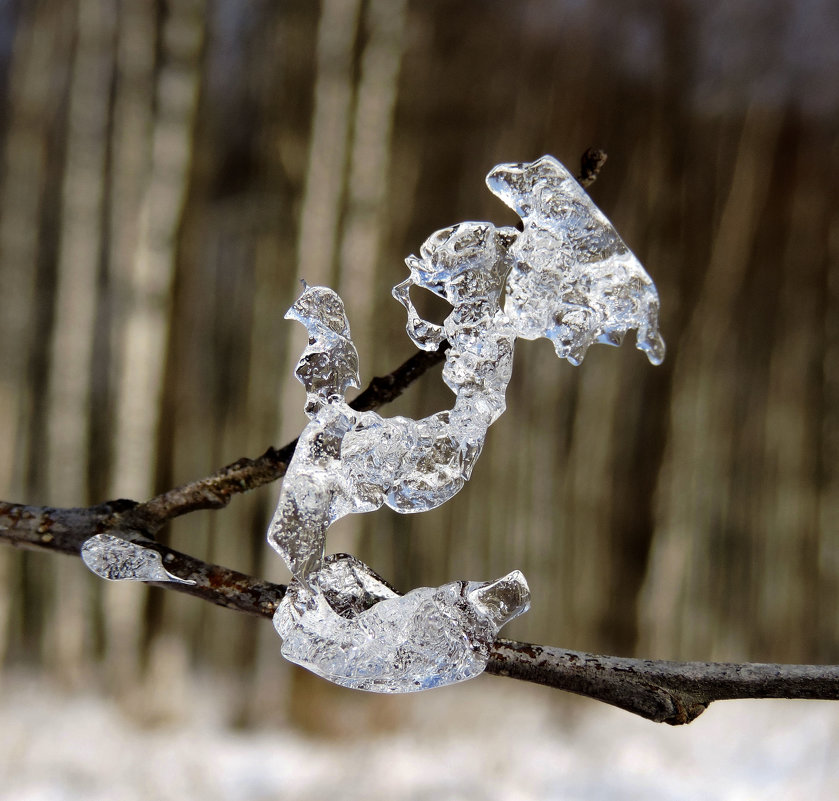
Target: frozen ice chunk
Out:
[350,627]
[349,462]
[118,559]
[566,276]
[574,280]
[466,265]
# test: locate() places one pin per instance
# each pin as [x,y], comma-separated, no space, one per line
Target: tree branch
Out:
[45,528]
[661,691]
[664,692]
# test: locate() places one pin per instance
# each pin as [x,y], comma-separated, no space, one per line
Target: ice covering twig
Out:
[661,691]
[216,490]
[670,692]
[564,274]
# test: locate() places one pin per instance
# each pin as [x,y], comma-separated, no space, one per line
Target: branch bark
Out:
[661,691]
[591,162]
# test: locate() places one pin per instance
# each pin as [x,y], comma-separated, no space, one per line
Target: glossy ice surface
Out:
[351,628]
[348,461]
[574,280]
[117,559]
[566,276]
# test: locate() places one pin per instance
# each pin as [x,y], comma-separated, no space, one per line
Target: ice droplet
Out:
[117,559]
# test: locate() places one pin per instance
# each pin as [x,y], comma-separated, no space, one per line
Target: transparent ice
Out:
[118,559]
[566,276]
[350,627]
[574,280]
[348,461]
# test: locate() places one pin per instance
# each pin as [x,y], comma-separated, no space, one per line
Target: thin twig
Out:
[664,692]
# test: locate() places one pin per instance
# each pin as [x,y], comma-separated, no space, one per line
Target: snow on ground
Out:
[486,740]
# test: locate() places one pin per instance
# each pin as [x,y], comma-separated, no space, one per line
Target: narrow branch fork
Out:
[243,475]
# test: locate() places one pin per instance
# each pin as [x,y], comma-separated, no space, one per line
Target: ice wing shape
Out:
[350,627]
[117,559]
[574,280]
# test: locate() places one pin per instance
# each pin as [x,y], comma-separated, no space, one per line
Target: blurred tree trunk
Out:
[70,394]
[31,180]
[156,146]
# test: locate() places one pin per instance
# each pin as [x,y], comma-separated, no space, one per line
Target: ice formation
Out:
[348,461]
[574,280]
[118,559]
[350,627]
[566,276]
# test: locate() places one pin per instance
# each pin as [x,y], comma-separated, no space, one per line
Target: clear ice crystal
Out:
[574,280]
[117,559]
[328,365]
[347,461]
[566,276]
[350,627]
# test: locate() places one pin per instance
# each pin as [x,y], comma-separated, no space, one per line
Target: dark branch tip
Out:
[591,162]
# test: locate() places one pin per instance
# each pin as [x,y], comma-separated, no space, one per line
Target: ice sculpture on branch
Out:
[567,276]
[348,461]
[574,280]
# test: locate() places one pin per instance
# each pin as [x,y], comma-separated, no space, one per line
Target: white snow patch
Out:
[486,740]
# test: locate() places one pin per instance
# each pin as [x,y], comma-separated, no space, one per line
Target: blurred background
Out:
[170,170]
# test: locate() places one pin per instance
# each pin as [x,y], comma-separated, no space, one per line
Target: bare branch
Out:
[664,692]
[661,691]
[44,528]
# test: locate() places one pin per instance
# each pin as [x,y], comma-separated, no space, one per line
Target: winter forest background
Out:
[170,170]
